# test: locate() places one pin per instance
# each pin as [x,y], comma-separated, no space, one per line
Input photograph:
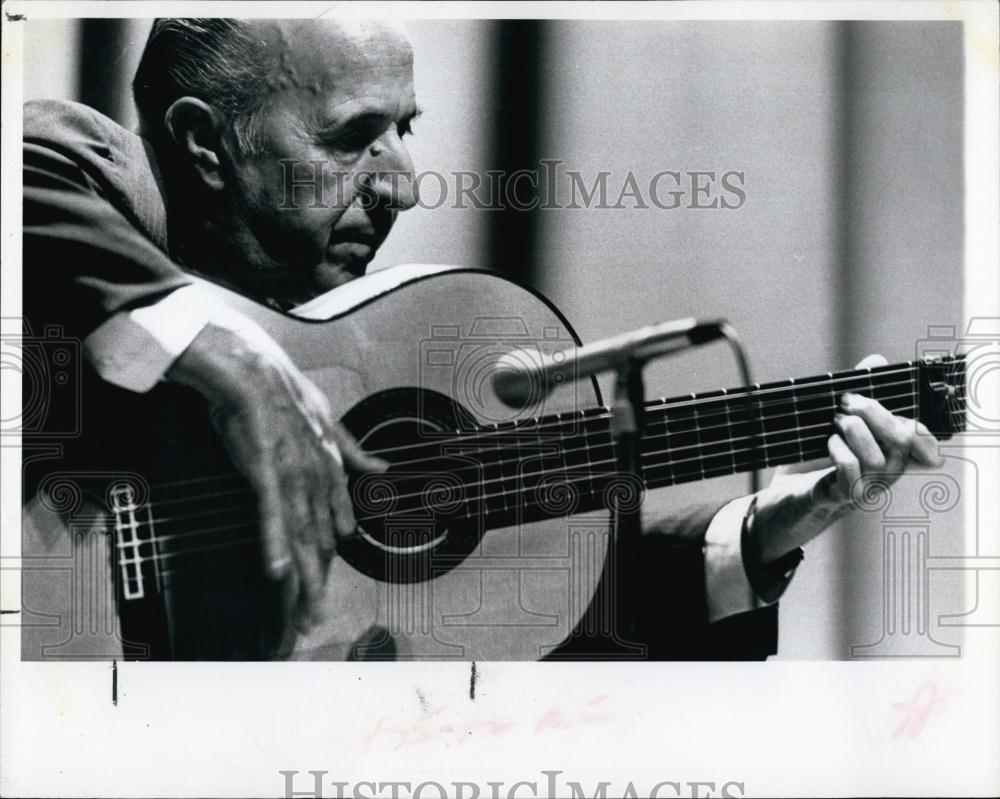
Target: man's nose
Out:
[391,172]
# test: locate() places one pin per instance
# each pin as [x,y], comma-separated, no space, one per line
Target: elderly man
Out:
[113,222]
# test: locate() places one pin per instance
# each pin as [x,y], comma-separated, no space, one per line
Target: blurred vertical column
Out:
[521,52]
[901,255]
[109,52]
[51,59]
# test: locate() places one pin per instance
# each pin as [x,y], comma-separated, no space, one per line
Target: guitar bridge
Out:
[129,541]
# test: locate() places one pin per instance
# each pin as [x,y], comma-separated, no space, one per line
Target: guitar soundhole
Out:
[420,518]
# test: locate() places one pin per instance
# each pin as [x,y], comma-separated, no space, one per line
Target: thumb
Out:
[872,362]
[356,460]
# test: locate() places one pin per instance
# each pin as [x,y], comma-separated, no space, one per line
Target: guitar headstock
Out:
[942,395]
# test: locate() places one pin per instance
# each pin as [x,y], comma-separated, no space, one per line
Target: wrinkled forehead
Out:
[320,55]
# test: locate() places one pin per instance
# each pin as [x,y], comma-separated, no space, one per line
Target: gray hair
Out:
[219,61]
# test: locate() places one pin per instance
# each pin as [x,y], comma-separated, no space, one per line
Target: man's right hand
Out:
[280,434]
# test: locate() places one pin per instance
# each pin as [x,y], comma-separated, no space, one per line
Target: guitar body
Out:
[405,357]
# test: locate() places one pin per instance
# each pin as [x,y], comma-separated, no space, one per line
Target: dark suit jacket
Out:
[96,242]
[95,222]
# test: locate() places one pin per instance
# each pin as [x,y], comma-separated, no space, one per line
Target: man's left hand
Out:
[869,442]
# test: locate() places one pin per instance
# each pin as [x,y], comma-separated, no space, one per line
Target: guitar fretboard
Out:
[565,463]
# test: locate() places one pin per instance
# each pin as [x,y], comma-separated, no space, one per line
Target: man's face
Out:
[340,101]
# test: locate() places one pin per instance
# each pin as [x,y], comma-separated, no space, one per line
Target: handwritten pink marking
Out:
[916,710]
[551,718]
[441,724]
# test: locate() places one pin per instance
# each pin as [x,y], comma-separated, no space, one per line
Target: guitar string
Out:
[517,492]
[562,422]
[504,478]
[495,436]
[545,424]
[738,400]
[736,397]
[673,464]
[768,439]
[187,534]
[954,400]
[650,429]
[163,574]
[249,525]
[484,498]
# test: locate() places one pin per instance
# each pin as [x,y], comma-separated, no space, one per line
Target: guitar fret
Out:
[757,421]
[503,480]
[587,452]
[729,425]
[798,420]
[562,450]
[833,397]
[482,488]
[697,434]
[670,467]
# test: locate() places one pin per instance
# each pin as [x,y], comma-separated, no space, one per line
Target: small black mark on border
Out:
[15,17]
[114,683]
[473,677]
[5,612]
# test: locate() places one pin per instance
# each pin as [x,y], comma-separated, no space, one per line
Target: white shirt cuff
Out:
[135,349]
[727,588]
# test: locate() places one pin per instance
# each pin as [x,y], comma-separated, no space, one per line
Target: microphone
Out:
[520,384]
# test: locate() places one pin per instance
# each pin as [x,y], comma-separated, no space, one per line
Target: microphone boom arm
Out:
[519,386]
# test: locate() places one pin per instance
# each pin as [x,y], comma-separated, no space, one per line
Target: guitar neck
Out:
[730,431]
[716,433]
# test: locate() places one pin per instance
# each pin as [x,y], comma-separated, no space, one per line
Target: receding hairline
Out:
[356,34]
[255,59]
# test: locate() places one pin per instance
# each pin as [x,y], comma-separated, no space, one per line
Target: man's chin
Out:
[329,276]
[302,286]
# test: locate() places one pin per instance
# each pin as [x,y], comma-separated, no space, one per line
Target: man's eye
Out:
[353,141]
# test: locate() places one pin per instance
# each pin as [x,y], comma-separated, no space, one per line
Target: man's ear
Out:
[197,130]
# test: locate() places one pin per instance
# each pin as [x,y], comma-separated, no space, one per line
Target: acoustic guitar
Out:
[486,539]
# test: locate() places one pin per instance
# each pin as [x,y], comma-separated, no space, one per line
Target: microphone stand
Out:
[627,425]
[610,623]
[608,629]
